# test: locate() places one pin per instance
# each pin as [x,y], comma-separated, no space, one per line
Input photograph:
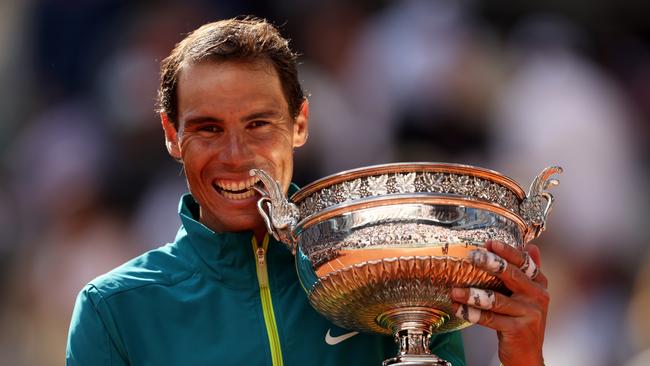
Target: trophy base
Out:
[416,360]
[412,327]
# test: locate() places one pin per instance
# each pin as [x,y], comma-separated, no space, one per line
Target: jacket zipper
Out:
[267,304]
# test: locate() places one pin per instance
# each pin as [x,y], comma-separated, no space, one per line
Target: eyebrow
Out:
[255,115]
[201,119]
[262,114]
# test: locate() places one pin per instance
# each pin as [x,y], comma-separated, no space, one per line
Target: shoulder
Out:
[163,266]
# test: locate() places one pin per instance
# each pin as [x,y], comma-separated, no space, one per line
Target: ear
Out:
[300,126]
[171,136]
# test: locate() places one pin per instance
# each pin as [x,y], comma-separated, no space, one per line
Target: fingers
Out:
[507,252]
[519,317]
[536,256]
[492,309]
[488,261]
[487,318]
[534,253]
[511,276]
[487,300]
[514,267]
[517,257]
[468,313]
[529,267]
[482,299]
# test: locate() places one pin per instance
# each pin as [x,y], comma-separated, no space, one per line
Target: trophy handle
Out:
[538,202]
[280,215]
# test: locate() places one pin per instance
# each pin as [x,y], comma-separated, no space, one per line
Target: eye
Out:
[258,123]
[210,128]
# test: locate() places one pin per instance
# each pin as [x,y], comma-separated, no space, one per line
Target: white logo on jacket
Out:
[338,339]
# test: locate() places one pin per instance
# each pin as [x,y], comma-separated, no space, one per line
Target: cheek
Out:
[279,150]
[194,150]
[275,145]
[282,158]
[191,141]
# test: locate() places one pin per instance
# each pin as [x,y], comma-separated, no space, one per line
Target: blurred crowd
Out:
[86,183]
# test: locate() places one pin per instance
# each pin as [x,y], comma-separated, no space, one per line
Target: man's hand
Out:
[519,319]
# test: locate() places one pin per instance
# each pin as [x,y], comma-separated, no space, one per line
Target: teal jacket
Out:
[216,299]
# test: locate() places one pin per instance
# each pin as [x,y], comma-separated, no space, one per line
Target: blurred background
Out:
[86,183]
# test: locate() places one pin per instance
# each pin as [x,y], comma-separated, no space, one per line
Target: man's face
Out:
[232,117]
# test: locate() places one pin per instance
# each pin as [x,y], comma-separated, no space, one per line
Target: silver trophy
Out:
[379,248]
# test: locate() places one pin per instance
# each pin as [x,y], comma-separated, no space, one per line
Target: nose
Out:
[235,150]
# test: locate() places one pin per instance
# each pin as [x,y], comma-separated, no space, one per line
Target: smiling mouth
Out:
[236,190]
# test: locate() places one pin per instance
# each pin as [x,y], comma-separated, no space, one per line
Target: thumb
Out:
[535,254]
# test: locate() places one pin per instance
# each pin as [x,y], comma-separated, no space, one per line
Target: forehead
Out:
[210,87]
[253,77]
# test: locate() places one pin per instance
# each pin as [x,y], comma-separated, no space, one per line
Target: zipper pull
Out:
[260,256]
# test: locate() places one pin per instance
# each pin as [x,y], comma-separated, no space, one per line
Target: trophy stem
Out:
[412,327]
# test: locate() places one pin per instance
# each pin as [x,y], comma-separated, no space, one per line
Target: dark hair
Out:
[239,39]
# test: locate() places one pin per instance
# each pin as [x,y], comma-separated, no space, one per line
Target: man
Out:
[224,292]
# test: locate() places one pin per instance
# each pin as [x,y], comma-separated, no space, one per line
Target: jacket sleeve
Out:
[89,342]
[449,346]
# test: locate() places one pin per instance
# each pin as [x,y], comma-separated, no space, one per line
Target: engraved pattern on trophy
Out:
[375,186]
[406,227]
[379,248]
[405,183]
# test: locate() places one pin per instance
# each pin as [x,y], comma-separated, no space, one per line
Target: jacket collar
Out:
[229,256]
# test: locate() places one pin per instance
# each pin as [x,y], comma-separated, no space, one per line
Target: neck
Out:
[259,233]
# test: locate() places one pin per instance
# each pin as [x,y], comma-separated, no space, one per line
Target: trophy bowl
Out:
[379,248]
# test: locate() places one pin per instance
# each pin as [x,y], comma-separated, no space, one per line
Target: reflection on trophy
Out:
[379,248]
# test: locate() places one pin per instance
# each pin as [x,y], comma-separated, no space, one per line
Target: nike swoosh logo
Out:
[336,340]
